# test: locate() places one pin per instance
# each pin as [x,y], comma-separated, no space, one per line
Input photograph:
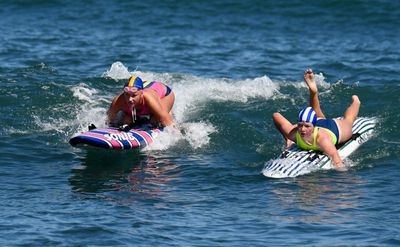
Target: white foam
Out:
[319,80]
[89,106]
[86,108]
[166,139]
[197,135]
[193,93]
[117,71]
[51,124]
[11,130]
[83,92]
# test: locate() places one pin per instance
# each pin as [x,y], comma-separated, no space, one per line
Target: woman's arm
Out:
[325,143]
[161,115]
[113,110]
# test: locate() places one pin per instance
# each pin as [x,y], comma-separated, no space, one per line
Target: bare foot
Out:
[310,81]
[356,99]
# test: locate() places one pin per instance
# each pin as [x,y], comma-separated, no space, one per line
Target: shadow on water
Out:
[103,171]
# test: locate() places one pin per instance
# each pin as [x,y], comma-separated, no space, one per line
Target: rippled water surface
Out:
[231,65]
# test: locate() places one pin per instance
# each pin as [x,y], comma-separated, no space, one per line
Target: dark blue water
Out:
[231,65]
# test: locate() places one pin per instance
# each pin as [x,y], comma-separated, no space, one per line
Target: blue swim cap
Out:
[307,115]
[134,82]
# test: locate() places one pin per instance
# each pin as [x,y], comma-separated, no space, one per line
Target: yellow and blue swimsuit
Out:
[329,125]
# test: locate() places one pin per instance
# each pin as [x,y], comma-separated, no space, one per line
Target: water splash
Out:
[86,107]
[90,108]
[195,92]
[197,135]
[117,71]
[320,80]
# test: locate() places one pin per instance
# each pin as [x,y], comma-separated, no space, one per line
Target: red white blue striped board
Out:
[113,138]
[294,162]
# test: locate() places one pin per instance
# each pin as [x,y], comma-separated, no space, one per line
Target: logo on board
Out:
[120,137]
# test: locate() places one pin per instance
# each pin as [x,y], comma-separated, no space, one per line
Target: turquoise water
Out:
[231,65]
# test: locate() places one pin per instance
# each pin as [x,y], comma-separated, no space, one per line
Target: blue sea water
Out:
[231,65]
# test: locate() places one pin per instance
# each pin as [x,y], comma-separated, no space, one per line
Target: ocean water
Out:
[231,65]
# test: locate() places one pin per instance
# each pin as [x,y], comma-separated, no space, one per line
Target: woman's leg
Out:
[345,125]
[312,87]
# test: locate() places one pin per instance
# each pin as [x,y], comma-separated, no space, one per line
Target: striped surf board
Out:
[294,162]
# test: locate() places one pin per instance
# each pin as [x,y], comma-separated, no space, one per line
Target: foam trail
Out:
[86,108]
[194,92]
[198,134]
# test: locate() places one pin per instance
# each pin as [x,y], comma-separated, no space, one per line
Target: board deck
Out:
[294,162]
[113,138]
